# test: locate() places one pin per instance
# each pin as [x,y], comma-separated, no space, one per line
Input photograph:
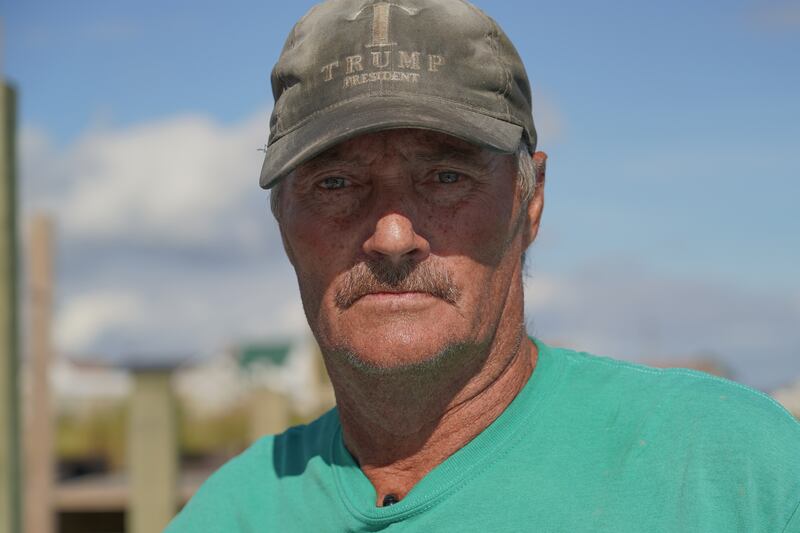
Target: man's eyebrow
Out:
[467,156]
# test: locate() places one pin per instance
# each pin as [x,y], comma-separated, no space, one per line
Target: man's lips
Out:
[397,300]
[397,294]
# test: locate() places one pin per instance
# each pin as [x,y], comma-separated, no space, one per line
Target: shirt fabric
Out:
[589,444]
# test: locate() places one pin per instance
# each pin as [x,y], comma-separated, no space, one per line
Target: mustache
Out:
[379,276]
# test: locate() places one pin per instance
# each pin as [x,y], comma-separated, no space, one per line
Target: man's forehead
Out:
[405,143]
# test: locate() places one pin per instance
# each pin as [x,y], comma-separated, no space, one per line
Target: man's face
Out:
[405,243]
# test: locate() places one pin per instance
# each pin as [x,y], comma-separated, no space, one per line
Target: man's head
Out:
[406,190]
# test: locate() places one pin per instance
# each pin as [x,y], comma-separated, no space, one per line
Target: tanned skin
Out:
[407,246]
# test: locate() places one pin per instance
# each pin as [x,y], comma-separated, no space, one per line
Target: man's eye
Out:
[334,182]
[448,177]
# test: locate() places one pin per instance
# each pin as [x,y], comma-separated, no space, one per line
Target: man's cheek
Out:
[483,243]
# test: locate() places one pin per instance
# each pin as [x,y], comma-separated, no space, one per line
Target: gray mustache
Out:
[373,277]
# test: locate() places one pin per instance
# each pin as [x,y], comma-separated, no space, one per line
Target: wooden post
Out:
[39,462]
[269,412]
[10,498]
[152,452]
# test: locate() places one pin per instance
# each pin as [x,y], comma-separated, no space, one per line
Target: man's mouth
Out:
[394,295]
[396,301]
[397,294]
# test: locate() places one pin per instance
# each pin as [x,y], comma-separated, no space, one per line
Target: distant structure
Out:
[707,362]
[703,363]
[289,367]
[79,383]
[789,397]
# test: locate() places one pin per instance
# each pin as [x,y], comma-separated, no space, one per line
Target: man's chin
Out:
[399,360]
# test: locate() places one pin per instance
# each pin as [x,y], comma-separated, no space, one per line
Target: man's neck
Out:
[400,427]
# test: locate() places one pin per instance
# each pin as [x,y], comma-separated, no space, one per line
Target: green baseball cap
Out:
[351,67]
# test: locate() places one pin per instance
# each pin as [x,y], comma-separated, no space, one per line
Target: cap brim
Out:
[377,113]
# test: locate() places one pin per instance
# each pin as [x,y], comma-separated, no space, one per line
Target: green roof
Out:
[271,354]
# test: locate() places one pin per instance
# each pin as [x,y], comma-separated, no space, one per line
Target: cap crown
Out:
[348,49]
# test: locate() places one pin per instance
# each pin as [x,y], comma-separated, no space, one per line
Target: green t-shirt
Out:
[589,444]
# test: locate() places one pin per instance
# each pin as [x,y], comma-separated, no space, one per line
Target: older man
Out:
[407,188]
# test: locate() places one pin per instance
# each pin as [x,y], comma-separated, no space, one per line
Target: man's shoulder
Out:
[681,396]
[724,456]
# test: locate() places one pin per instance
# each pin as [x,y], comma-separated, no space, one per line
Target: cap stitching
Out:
[503,92]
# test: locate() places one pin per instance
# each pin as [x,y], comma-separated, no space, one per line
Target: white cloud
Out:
[37,170]
[178,311]
[86,317]
[176,181]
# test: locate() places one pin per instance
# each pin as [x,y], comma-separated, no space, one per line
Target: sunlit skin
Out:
[416,375]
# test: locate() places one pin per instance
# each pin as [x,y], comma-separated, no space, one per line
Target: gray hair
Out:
[526,175]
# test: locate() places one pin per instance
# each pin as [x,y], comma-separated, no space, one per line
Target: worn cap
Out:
[351,67]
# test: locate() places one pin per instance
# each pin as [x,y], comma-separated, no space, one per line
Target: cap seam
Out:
[505,117]
[493,33]
[504,91]
[291,43]
[507,89]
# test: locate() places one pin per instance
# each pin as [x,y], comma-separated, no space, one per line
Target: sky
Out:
[671,222]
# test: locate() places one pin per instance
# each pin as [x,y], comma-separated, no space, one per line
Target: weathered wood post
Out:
[269,412]
[39,448]
[10,497]
[152,451]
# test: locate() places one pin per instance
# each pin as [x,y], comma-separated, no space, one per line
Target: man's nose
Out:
[395,239]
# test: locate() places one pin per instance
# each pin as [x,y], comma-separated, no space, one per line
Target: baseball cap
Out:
[351,67]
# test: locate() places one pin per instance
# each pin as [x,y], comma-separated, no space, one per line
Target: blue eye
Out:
[333,182]
[448,177]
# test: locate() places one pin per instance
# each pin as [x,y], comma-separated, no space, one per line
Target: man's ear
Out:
[536,203]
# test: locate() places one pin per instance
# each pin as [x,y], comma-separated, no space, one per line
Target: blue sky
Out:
[672,130]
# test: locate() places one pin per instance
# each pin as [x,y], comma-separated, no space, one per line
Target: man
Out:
[407,188]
